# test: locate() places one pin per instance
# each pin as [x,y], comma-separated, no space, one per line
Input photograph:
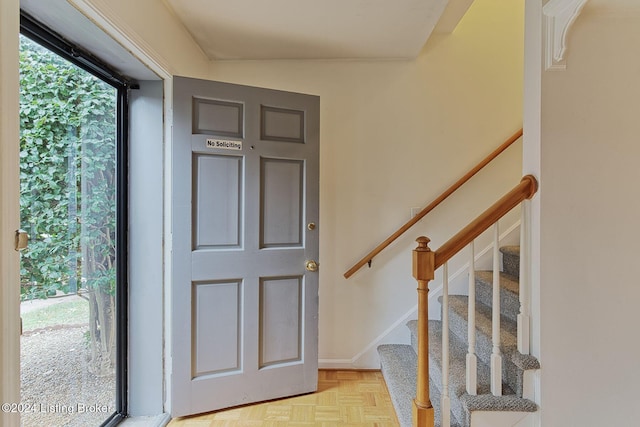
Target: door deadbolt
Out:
[311,265]
[22,240]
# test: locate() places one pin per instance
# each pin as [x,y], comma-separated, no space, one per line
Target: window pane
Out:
[68,273]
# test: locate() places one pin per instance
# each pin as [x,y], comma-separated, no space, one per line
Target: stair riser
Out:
[509,302]
[511,264]
[484,348]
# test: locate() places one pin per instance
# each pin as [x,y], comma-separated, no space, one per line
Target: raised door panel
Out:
[217,332]
[217,199]
[281,206]
[281,124]
[281,321]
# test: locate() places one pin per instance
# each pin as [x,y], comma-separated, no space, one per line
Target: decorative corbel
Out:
[559,16]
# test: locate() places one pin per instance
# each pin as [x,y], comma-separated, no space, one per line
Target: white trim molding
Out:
[559,16]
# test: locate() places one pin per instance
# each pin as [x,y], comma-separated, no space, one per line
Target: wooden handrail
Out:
[367,259]
[524,190]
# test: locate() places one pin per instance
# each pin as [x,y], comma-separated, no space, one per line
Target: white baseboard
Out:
[397,333]
[335,364]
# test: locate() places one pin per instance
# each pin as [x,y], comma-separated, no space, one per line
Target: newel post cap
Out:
[423,244]
[423,260]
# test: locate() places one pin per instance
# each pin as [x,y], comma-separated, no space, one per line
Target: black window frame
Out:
[49,39]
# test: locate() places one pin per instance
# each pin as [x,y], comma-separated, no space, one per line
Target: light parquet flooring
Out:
[343,399]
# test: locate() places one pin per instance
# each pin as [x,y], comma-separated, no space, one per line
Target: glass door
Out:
[71,364]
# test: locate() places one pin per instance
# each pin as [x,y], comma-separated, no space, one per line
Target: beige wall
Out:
[395,134]
[589,210]
[9,211]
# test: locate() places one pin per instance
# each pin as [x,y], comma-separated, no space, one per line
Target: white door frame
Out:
[9,208]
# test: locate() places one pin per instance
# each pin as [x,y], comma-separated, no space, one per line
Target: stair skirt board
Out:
[399,361]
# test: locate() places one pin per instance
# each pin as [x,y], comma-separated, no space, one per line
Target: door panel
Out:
[245,186]
[217,217]
[217,327]
[280,320]
[279,124]
[281,205]
[216,117]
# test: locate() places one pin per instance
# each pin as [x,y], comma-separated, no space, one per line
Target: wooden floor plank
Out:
[343,399]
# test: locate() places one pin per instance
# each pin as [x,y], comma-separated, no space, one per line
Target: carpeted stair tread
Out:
[509,292]
[511,260]
[399,366]
[510,403]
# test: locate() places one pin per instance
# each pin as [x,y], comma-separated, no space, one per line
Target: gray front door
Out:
[244,226]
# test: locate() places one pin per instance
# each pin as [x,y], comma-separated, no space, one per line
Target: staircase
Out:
[399,362]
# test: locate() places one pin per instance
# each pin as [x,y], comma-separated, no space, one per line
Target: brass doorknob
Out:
[311,265]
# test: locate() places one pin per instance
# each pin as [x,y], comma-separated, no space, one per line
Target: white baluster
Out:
[525,257]
[472,359]
[445,402]
[496,358]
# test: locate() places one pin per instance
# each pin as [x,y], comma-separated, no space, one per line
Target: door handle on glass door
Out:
[22,240]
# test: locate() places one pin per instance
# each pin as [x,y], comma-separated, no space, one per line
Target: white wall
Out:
[394,135]
[589,210]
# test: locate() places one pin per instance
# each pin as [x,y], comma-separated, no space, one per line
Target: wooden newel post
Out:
[423,272]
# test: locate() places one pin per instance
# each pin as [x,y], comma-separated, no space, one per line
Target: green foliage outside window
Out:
[67,180]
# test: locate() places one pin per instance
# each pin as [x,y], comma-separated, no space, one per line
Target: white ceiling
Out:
[274,29]
[316,29]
